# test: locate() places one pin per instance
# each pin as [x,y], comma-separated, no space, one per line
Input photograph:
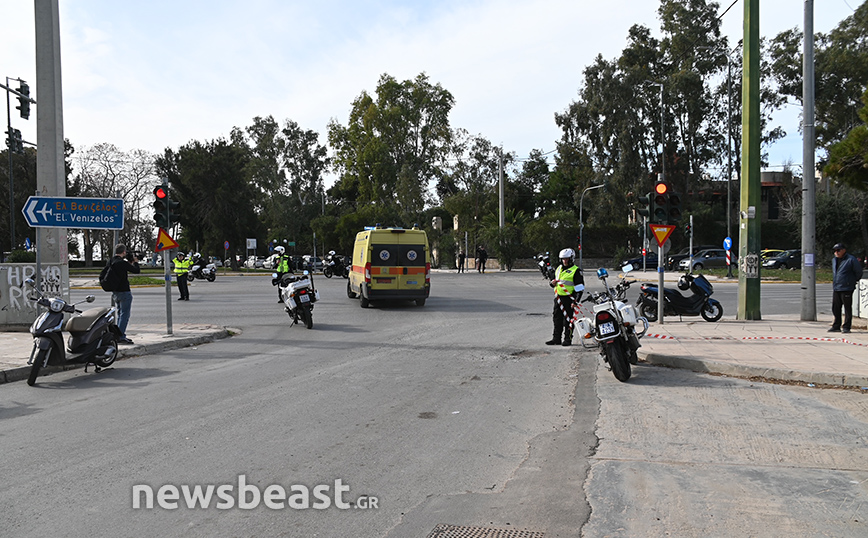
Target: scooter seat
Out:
[82,323]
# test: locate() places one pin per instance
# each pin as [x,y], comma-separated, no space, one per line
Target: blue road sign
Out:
[73,212]
[27,243]
[727,243]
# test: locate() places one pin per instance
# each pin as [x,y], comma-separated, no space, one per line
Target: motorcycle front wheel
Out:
[649,310]
[711,311]
[327,272]
[212,277]
[190,277]
[38,361]
[616,352]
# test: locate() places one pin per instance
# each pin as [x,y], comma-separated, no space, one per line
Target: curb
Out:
[738,370]
[22,372]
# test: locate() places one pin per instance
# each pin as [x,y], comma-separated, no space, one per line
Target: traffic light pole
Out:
[168,277]
[660,294]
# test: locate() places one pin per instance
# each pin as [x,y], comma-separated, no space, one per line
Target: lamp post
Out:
[581,223]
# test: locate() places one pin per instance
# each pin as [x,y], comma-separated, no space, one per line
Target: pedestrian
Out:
[481,257]
[461,257]
[123,263]
[569,284]
[182,269]
[846,273]
[282,266]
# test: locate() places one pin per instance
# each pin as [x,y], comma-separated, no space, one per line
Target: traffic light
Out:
[14,141]
[644,205]
[688,231]
[674,208]
[161,205]
[660,203]
[24,106]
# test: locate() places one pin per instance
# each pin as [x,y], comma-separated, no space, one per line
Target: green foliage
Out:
[21,256]
[848,159]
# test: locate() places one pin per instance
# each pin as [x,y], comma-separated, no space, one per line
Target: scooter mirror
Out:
[30,282]
[306,272]
[273,275]
[627,268]
[90,298]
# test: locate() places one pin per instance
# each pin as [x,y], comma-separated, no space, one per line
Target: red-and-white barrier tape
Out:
[706,339]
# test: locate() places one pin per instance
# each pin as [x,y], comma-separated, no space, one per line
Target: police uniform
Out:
[281,269]
[569,285]
[182,267]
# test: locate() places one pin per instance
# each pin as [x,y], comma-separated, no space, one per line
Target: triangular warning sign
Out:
[164,242]
[661,232]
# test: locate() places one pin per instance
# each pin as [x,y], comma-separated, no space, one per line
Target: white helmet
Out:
[331,253]
[567,253]
[279,250]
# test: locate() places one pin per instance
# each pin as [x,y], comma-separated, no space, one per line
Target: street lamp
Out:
[581,223]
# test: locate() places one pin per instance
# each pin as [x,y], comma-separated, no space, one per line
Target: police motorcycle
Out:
[201,270]
[621,288]
[93,335]
[613,329]
[699,303]
[544,264]
[336,265]
[298,296]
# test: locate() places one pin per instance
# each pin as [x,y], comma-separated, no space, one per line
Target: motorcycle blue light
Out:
[602,273]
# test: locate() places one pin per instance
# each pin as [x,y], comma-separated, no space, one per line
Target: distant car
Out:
[216,261]
[713,257]
[316,261]
[788,259]
[770,253]
[650,261]
[255,262]
[673,260]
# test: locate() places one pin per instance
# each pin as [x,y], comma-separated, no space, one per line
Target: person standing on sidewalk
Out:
[182,268]
[569,284]
[122,264]
[846,273]
[461,257]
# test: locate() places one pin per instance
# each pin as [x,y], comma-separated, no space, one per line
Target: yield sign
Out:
[661,232]
[164,242]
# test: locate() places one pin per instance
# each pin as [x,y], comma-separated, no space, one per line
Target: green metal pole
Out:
[750,200]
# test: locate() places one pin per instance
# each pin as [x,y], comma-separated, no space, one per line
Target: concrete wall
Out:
[15,308]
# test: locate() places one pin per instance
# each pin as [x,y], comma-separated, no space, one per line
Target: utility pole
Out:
[501,203]
[809,291]
[750,206]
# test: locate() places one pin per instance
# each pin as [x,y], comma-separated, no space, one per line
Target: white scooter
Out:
[613,328]
[202,270]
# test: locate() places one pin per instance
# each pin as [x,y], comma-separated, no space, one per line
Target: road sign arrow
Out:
[28,211]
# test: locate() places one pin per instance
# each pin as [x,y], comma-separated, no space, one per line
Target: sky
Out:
[157,74]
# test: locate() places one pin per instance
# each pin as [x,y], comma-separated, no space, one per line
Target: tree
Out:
[848,159]
[394,145]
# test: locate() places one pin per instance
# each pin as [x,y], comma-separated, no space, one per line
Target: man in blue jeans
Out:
[122,263]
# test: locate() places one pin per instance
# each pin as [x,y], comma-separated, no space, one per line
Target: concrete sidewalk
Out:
[781,348]
[15,347]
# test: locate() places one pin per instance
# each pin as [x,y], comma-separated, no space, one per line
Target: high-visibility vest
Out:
[283,264]
[182,267]
[564,275]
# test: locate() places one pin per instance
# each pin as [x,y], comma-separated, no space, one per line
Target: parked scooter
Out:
[93,335]
[613,329]
[544,264]
[201,270]
[298,296]
[699,303]
[336,265]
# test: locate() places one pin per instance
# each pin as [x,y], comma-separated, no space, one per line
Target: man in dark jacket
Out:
[122,264]
[846,273]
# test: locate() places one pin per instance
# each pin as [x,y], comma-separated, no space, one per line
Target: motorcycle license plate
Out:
[607,328]
[304,298]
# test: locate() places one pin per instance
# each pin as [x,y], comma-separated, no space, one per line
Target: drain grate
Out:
[456,531]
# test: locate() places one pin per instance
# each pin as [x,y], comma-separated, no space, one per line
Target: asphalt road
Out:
[453,413]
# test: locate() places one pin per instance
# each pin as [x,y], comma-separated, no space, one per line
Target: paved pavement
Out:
[776,348]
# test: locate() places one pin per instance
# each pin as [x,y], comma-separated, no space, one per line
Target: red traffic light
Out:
[160,192]
[661,188]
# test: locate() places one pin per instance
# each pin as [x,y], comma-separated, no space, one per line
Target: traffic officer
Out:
[569,285]
[282,266]
[182,267]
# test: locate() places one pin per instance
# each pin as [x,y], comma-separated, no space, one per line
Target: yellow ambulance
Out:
[390,263]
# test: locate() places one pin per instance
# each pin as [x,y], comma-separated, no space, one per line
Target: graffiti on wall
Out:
[16,275]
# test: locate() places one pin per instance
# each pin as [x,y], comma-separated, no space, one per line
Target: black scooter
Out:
[93,335]
[699,303]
